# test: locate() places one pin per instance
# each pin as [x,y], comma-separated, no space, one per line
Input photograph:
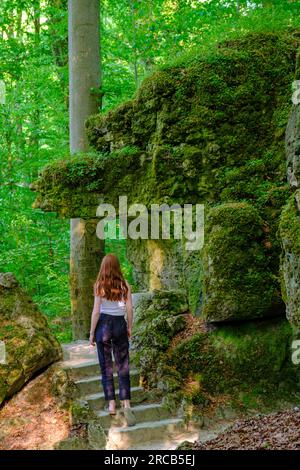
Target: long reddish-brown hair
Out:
[110,282]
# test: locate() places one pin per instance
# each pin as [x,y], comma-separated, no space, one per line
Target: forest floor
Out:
[32,420]
[275,431]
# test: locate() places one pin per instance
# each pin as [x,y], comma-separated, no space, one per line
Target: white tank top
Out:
[112,307]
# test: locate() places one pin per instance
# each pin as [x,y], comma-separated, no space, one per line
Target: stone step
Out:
[129,437]
[79,349]
[81,368]
[154,422]
[90,385]
[97,400]
[143,413]
[168,443]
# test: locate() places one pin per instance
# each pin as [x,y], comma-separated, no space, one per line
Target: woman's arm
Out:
[129,309]
[95,318]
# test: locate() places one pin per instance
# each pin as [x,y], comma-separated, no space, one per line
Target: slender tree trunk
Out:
[100,96]
[34,139]
[86,250]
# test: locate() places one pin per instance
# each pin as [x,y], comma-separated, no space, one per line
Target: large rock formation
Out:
[158,318]
[238,282]
[290,217]
[290,265]
[293,147]
[207,130]
[29,344]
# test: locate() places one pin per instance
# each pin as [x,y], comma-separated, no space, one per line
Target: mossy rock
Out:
[169,379]
[238,281]
[157,264]
[290,260]
[292,144]
[63,389]
[185,445]
[80,412]
[158,318]
[233,358]
[30,345]
[207,130]
[72,443]
[162,302]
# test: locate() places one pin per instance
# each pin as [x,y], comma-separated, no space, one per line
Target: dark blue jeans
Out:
[111,335]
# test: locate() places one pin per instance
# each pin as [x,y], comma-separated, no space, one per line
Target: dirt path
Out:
[31,420]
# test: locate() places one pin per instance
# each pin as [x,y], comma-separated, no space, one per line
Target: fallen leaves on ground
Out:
[32,420]
[276,431]
[193,325]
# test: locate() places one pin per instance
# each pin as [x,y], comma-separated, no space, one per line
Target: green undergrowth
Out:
[243,367]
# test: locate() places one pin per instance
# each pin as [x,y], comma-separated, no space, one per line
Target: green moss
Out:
[193,275]
[289,229]
[29,343]
[80,412]
[238,281]
[157,320]
[207,130]
[194,133]
[3,386]
[233,358]
[290,226]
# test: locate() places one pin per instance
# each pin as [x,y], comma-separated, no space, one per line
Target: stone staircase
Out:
[155,429]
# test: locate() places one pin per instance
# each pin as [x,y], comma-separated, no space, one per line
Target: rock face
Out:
[8,280]
[290,223]
[157,320]
[156,265]
[238,281]
[290,260]
[293,148]
[209,130]
[29,343]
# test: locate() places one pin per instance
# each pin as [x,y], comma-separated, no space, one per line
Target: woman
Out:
[110,331]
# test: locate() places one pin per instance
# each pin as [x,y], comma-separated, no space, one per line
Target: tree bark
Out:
[84,67]
[36,115]
[86,255]
[86,249]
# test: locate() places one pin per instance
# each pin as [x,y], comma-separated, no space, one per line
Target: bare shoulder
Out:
[128,285]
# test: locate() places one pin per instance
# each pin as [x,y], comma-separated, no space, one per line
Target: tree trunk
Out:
[86,255]
[86,250]
[36,115]
[84,66]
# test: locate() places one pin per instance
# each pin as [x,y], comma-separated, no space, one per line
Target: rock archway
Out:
[212,132]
